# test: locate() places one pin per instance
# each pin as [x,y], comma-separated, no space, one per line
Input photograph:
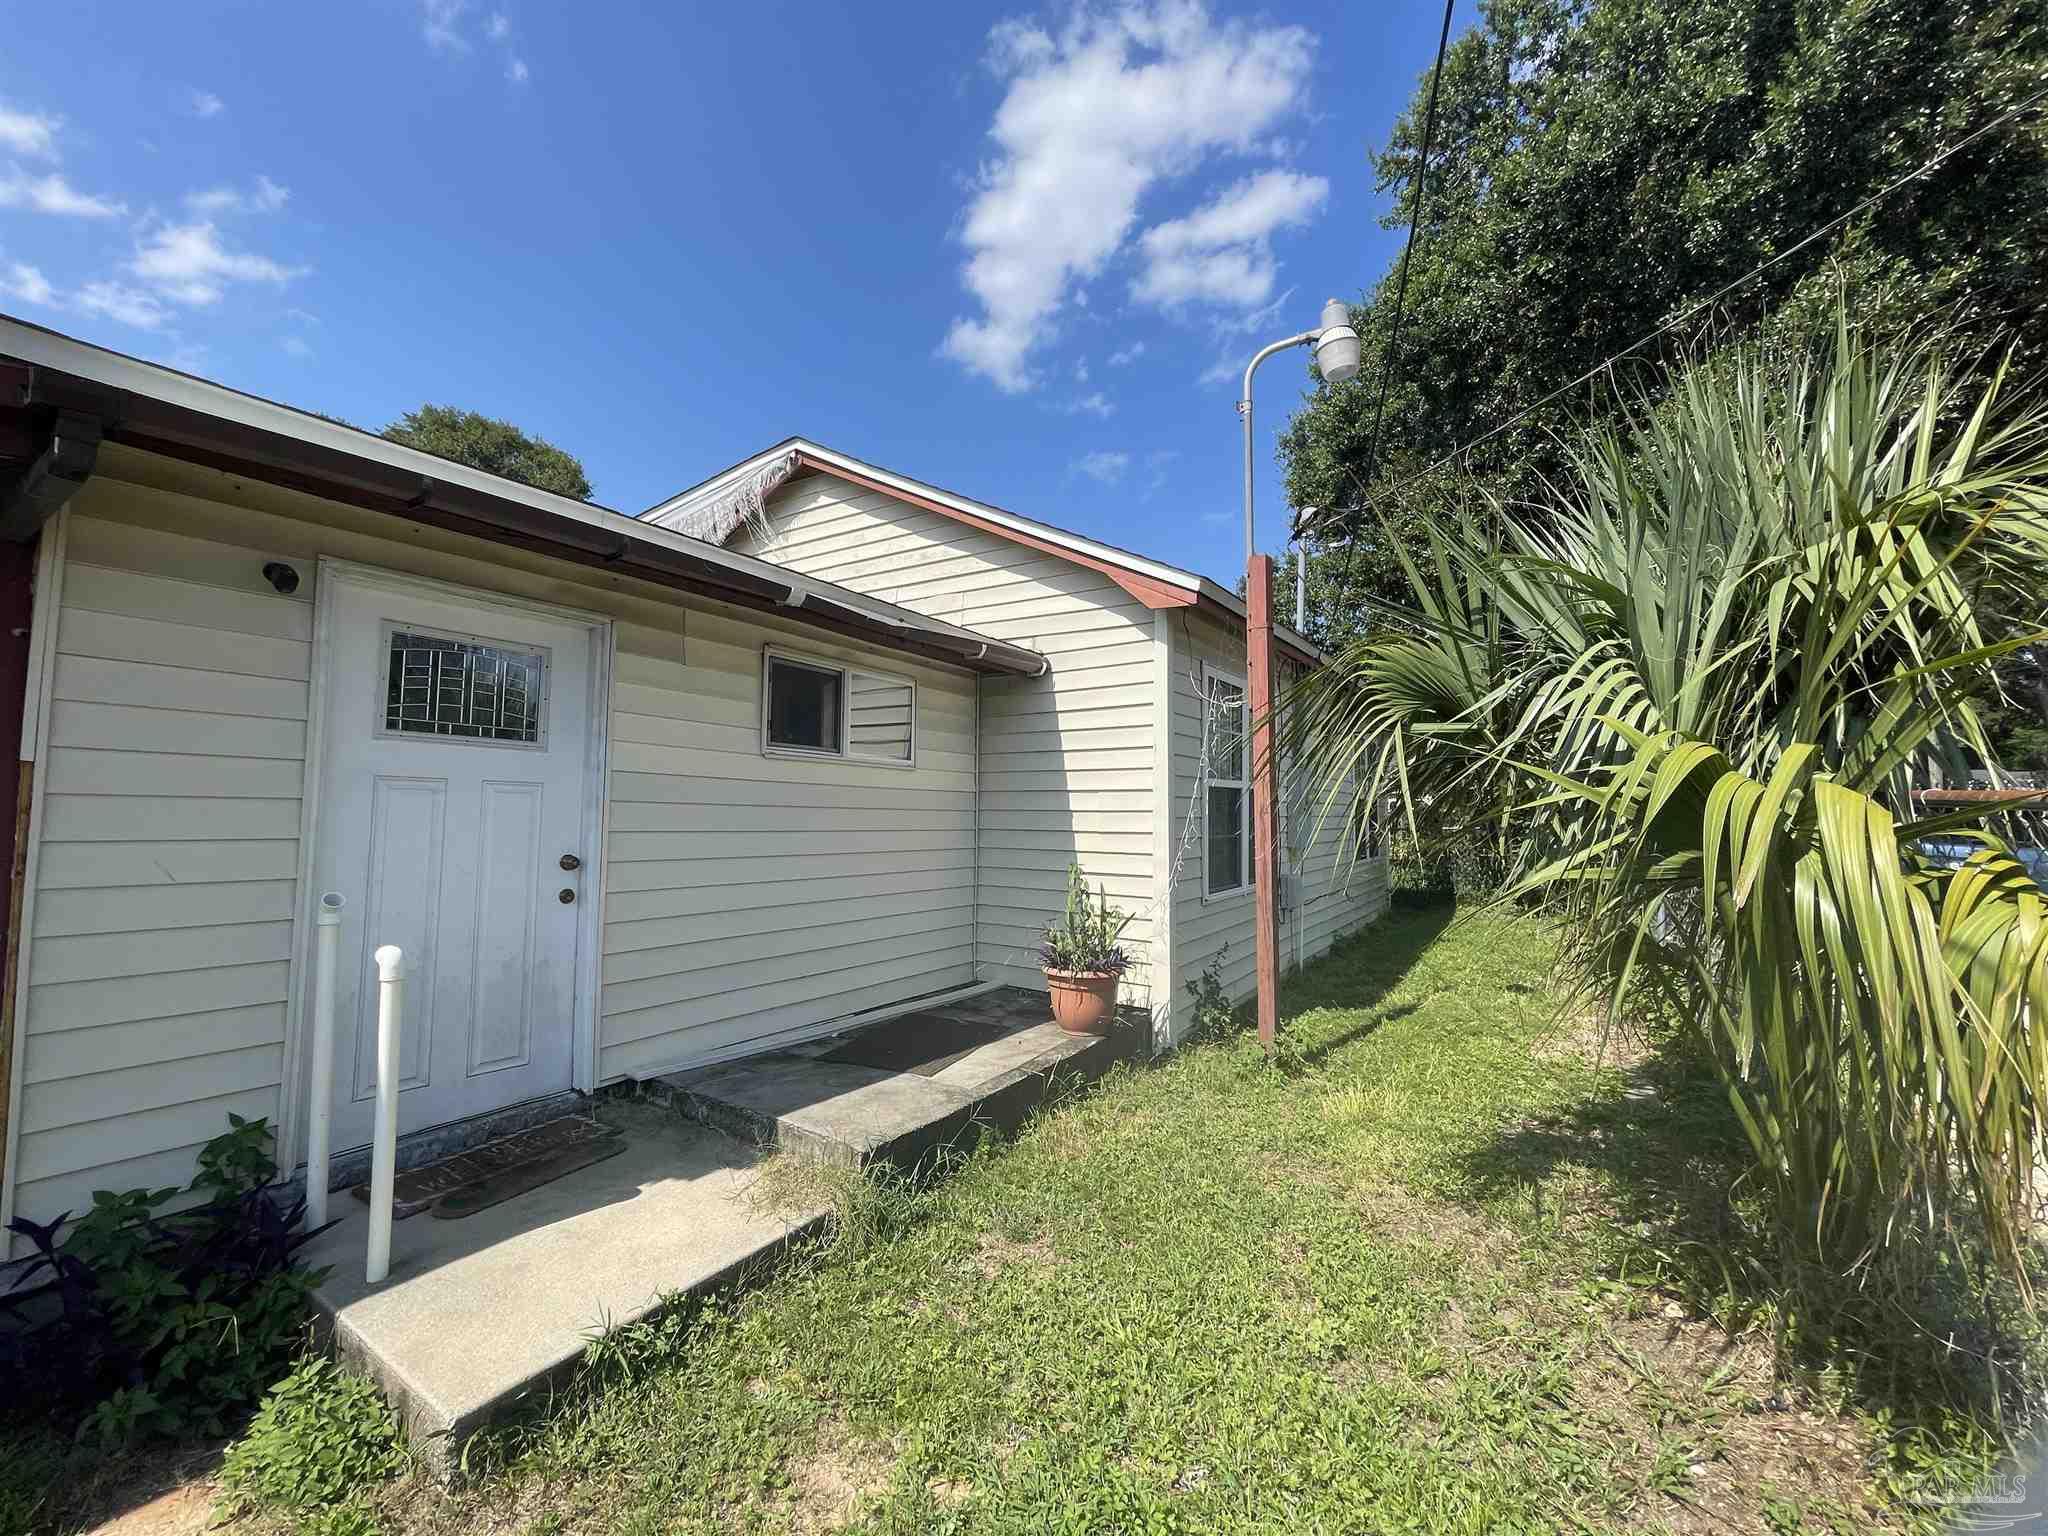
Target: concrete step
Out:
[853,1116]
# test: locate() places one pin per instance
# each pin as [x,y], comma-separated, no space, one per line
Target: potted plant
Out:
[1083,961]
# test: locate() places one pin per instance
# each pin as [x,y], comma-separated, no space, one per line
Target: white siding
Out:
[755,896]
[746,896]
[1336,896]
[1067,759]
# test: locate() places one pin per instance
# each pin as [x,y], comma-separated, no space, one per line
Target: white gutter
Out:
[45,348]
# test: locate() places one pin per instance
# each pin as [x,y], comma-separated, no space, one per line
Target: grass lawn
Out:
[1431,1274]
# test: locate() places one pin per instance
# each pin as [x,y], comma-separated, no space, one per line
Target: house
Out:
[630,799]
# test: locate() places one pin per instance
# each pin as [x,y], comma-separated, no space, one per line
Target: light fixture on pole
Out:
[1337,357]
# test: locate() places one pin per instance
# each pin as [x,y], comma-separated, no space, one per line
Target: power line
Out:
[1713,298]
[1387,356]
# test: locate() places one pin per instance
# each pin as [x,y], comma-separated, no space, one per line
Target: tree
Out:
[498,447]
[1697,684]
[1600,166]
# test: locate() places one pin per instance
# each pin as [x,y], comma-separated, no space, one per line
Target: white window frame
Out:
[770,654]
[1247,880]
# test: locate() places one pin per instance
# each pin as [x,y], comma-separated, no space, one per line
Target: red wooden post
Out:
[1265,837]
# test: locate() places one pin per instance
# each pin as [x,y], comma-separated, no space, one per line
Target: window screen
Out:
[463,689]
[803,706]
[1227,813]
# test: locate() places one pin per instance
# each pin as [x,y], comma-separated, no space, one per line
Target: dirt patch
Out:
[1584,1037]
[993,1254]
[183,1511]
[1754,1443]
[830,1483]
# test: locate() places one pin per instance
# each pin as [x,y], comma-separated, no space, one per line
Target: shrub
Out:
[320,1439]
[143,1322]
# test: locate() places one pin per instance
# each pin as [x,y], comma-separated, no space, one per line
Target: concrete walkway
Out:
[481,1313]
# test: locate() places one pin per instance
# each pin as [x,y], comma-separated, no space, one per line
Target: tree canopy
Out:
[1601,166]
[498,447]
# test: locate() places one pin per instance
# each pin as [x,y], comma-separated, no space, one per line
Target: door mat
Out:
[924,1043]
[481,1177]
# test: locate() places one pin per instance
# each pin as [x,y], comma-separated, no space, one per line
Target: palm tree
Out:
[1692,694]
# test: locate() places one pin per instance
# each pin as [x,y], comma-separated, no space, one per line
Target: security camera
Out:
[282,577]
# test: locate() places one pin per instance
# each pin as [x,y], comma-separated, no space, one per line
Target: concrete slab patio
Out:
[479,1315]
[484,1313]
[997,1056]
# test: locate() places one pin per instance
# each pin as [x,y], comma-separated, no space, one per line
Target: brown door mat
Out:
[500,1169]
[924,1043]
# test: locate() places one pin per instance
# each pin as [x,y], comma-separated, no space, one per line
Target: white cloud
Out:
[1097,404]
[441,24]
[26,283]
[1091,119]
[1123,357]
[266,196]
[499,27]
[1103,466]
[205,104]
[188,263]
[117,301]
[1222,253]
[53,194]
[516,70]
[296,346]
[29,133]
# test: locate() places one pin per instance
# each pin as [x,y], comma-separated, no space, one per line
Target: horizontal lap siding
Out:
[745,896]
[1066,760]
[1336,895]
[171,778]
[751,897]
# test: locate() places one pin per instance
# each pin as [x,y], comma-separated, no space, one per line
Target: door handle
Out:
[568,895]
[570,861]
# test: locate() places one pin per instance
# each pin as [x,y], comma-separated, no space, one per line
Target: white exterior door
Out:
[457,744]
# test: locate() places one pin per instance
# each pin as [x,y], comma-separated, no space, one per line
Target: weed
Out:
[321,1438]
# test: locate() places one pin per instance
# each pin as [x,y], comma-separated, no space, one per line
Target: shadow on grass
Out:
[1681,1204]
[1356,976]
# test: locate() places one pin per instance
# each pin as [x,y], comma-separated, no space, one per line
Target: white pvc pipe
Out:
[384,1148]
[320,1090]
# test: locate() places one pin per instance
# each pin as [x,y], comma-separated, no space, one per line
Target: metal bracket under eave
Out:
[52,477]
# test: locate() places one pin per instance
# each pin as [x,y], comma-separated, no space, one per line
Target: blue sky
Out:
[1019,254]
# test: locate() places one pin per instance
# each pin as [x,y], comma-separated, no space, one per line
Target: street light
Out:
[1337,354]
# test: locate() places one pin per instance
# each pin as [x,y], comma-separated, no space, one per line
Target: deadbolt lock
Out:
[570,861]
[568,895]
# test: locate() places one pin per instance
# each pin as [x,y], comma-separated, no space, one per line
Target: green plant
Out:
[1697,687]
[1084,938]
[320,1438]
[142,1321]
[1213,1013]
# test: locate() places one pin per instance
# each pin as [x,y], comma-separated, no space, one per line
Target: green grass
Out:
[1434,1272]
[1416,1278]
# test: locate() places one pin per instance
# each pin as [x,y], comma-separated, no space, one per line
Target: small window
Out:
[1228,843]
[463,689]
[803,706]
[813,707]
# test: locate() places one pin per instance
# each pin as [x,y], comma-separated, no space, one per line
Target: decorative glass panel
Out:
[803,706]
[878,717]
[463,689]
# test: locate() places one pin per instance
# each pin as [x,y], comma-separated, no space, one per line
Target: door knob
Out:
[570,861]
[568,895]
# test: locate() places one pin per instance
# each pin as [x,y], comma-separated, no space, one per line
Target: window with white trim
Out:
[812,708]
[1227,840]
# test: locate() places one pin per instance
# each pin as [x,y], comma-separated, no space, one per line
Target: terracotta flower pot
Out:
[1083,1002]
